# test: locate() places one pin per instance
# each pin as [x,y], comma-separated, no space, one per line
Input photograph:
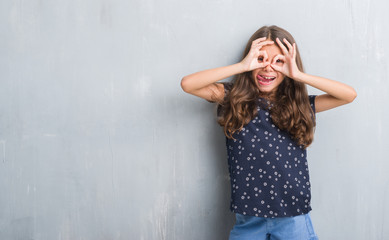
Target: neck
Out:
[268,95]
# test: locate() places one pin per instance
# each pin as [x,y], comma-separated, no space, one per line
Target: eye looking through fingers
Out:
[279,61]
[262,57]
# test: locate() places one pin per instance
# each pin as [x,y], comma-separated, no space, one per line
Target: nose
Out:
[268,68]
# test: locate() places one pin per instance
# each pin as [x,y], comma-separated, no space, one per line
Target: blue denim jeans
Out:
[284,228]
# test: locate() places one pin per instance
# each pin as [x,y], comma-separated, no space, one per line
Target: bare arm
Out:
[337,93]
[203,84]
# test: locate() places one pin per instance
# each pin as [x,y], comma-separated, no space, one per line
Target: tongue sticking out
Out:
[264,81]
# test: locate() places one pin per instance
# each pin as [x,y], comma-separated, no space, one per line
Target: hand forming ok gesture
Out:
[256,58]
[289,68]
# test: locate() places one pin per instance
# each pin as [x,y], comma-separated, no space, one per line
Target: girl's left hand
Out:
[288,60]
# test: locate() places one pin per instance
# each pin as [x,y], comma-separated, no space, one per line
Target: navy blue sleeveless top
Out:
[268,171]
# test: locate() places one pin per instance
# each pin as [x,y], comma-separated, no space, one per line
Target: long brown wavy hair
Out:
[290,107]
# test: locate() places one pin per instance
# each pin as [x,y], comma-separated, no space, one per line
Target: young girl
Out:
[269,120]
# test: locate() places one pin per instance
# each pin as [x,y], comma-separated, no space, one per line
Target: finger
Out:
[261,44]
[259,40]
[282,46]
[294,50]
[264,55]
[255,42]
[275,67]
[278,57]
[264,65]
[289,45]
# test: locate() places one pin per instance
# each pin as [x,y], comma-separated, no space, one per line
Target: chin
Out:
[267,88]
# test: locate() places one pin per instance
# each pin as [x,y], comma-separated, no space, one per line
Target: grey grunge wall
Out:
[98,140]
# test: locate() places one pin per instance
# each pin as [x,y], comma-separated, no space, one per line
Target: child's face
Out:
[261,75]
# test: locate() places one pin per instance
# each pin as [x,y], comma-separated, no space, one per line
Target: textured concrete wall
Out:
[98,141]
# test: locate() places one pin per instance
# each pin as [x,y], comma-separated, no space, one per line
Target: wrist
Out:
[241,67]
[299,76]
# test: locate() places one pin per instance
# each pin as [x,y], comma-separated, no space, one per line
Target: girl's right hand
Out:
[256,58]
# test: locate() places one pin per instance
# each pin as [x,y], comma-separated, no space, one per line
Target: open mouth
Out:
[265,80]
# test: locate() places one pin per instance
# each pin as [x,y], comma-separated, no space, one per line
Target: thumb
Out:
[275,67]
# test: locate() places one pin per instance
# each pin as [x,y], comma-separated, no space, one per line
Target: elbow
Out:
[184,85]
[352,96]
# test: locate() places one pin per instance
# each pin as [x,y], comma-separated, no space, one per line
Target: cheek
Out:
[281,78]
